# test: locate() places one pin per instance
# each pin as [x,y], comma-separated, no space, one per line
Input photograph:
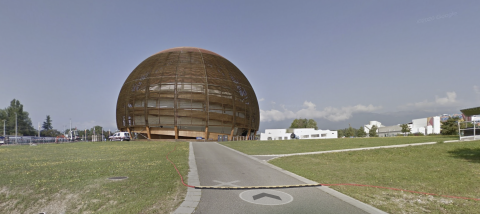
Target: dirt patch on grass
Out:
[410,203]
[56,203]
[169,204]
[61,202]
[14,201]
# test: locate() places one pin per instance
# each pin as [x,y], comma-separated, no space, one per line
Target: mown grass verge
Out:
[73,178]
[445,169]
[298,146]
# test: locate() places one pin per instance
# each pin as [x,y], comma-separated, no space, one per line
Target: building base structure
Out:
[175,133]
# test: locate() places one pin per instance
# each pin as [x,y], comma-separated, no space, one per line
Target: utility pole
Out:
[71,137]
[38,129]
[15,127]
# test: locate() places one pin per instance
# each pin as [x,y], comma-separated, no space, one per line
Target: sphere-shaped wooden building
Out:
[187,92]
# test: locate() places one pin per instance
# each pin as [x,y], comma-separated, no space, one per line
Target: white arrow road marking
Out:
[226,183]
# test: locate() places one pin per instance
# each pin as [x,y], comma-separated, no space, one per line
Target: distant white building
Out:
[306,133]
[429,125]
[389,131]
[369,126]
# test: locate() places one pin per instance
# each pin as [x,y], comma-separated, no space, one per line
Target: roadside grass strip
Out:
[302,146]
[425,178]
[74,177]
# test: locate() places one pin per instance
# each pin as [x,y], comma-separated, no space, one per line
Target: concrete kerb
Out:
[193,196]
[354,202]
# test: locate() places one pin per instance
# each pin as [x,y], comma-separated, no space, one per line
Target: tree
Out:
[340,133]
[361,132]
[47,125]
[450,127]
[405,128]
[350,132]
[24,123]
[50,133]
[373,131]
[304,123]
[3,116]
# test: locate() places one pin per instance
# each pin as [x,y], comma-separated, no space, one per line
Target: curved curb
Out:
[193,196]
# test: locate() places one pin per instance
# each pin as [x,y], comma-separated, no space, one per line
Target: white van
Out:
[121,136]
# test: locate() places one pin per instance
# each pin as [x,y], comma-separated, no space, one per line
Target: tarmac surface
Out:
[218,165]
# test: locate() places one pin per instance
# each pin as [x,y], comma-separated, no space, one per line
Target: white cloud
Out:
[448,101]
[310,111]
[476,89]
[450,98]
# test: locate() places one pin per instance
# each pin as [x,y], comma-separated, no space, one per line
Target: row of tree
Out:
[13,113]
[25,127]
[360,132]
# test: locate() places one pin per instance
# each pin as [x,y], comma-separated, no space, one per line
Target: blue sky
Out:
[327,60]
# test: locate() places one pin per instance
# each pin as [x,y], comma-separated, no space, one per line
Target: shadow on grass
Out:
[471,155]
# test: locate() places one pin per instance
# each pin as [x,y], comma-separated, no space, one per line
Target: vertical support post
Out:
[148,133]
[230,138]
[206,132]
[248,135]
[255,134]
[129,133]
[176,133]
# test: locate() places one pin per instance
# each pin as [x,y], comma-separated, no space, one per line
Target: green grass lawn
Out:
[445,168]
[73,177]
[297,146]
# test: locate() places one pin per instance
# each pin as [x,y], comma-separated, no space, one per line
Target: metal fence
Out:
[25,140]
[469,130]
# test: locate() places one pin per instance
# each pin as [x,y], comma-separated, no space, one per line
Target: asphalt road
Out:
[219,166]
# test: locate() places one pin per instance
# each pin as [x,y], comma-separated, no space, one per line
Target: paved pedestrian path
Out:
[270,157]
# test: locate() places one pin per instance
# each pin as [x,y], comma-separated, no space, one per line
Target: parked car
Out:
[121,136]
